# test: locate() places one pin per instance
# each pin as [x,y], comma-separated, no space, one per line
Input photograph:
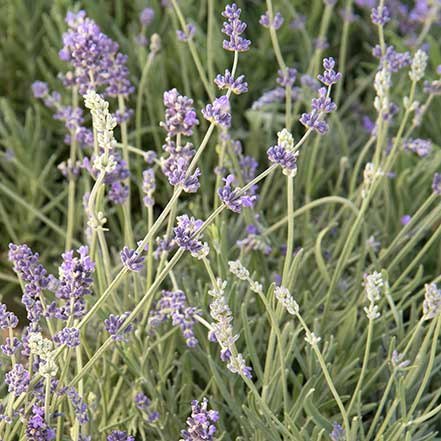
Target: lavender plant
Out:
[221,222]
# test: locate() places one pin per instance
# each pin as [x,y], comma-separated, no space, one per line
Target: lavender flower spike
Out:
[131,259]
[380,15]
[233,28]
[436,184]
[227,81]
[113,326]
[119,435]
[283,153]
[275,23]
[17,379]
[201,423]
[231,198]
[219,112]
[186,236]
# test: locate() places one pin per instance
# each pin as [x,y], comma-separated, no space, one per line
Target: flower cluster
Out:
[34,276]
[17,379]
[222,331]
[75,282]
[283,153]
[436,184]
[323,104]
[422,147]
[275,23]
[173,305]
[286,300]
[148,187]
[113,325]
[233,197]
[218,113]
[201,423]
[380,15]
[392,60]
[144,405]
[233,28]
[119,435]
[94,57]
[7,319]
[37,428]
[227,81]
[373,285]
[68,336]
[432,301]
[186,236]
[180,119]
[131,259]
[187,34]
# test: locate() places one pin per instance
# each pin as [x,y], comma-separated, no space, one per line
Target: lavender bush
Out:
[220,221]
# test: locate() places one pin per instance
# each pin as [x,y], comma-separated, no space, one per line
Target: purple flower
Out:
[276,23]
[231,198]
[277,95]
[277,154]
[298,22]
[148,186]
[405,219]
[380,15]
[175,167]
[392,60]
[35,278]
[146,16]
[37,429]
[17,379]
[201,423]
[219,112]
[180,116]
[186,233]
[119,435]
[330,76]
[68,336]
[422,147]
[39,89]
[144,404]
[233,28]
[113,326]
[287,78]
[173,305]
[94,57]
[188,34]
[131,259]
[11,346]
[75,273]
[79,406]
[227,81]
[436,184]
[118,193]
[7,319]
[338,433]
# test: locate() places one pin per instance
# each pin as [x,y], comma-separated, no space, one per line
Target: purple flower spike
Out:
[131,259]
[227,81]
[180,116]
[113,326]
[233,28]
[201,423]
[287,78]
[17,379]
[219,112]
[276,23]
[330,76]
[7,319]
[68,336]
[119,435]
[173,305]
[146,17]
[39,89]
[230,197]
[436,184]
[186,233]
[188,34]
[380,15]
[37,429]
